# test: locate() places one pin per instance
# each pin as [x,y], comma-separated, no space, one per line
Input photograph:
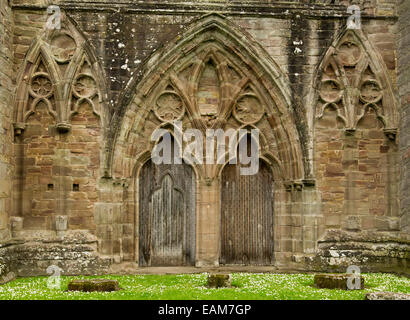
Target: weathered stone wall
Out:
[76,253]
[349,179]
[6,132]
[403,82]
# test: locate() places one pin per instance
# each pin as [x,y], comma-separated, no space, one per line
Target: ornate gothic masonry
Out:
[353,80]
[79,104]
[60,70]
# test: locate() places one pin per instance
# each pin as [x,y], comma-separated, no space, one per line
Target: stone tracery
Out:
[58,69]
[215,83]
[354,80]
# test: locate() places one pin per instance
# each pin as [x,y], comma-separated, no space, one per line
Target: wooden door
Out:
[166,215]
[247,216]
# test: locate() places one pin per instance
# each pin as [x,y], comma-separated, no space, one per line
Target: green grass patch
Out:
[193,287]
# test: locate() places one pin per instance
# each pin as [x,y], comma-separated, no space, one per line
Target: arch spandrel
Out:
[253,91]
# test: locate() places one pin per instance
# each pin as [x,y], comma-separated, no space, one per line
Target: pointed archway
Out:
[214,76]
[166,214]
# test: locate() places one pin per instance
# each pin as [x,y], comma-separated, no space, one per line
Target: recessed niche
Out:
[76,187]
[50,187]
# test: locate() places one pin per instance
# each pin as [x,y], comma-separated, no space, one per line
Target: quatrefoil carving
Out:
[41,86]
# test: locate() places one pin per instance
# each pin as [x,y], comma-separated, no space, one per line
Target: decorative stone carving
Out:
[354,80]
[62,62]
[208,95]
[248,109]
[85,86]
[331,91]
[241,90]
[370,91]
[63,48]
[348,52]
[41,86]
[169,106]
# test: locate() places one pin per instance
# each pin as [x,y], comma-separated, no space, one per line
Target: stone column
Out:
[208,222]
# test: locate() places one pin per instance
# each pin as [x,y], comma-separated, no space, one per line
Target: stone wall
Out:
[403,82]
[6,112]
[78,145]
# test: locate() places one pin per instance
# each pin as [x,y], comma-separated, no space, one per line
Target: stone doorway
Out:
[166,215]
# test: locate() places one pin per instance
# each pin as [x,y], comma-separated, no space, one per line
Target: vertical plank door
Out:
[246,216]
[166,215]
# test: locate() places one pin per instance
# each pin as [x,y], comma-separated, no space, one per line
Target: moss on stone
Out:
[219,280]
[335,281]
[93,285]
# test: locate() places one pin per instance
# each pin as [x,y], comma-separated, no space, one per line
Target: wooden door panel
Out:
[246,217]
[166,215]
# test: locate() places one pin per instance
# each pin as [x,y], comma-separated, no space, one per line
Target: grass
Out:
[193,287]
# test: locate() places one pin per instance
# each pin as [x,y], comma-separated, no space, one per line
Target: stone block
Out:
[219,280]
[387,296]
[353,223]
[91,285]
[337,281]
[61,225]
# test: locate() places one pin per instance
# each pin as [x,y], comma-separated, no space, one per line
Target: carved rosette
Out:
[248,109]
[169,106]
[41,86]
[40,89]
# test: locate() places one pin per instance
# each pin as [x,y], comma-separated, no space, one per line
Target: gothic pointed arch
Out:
[60,69]
[353,79]
[214,76]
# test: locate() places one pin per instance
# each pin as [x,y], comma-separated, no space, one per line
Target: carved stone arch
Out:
[38,66]
[63,51]
[352,77]
[239,63]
